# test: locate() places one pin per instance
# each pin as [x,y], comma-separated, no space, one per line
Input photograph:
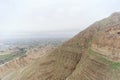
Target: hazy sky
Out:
[51,17]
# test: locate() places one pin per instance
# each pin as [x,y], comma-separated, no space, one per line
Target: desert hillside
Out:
[93,54]
[20,63]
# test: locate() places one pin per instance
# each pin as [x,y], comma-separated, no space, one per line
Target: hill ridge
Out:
[76,60]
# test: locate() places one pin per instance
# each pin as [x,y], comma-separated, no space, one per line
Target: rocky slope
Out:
[22,62]
[93,54]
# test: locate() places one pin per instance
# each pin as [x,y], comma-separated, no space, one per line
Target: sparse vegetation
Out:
[114,65]
[8,57]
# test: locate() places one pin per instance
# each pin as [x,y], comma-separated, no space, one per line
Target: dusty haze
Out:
[44,18]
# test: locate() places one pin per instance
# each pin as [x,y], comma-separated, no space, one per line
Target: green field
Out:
[8,57]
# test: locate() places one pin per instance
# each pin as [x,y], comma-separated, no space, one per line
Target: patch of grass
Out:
[113,65]
[90,51]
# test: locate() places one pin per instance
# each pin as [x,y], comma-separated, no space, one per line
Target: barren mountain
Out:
[93,54]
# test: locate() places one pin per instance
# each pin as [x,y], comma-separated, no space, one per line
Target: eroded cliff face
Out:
[107,42]
[90,55]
